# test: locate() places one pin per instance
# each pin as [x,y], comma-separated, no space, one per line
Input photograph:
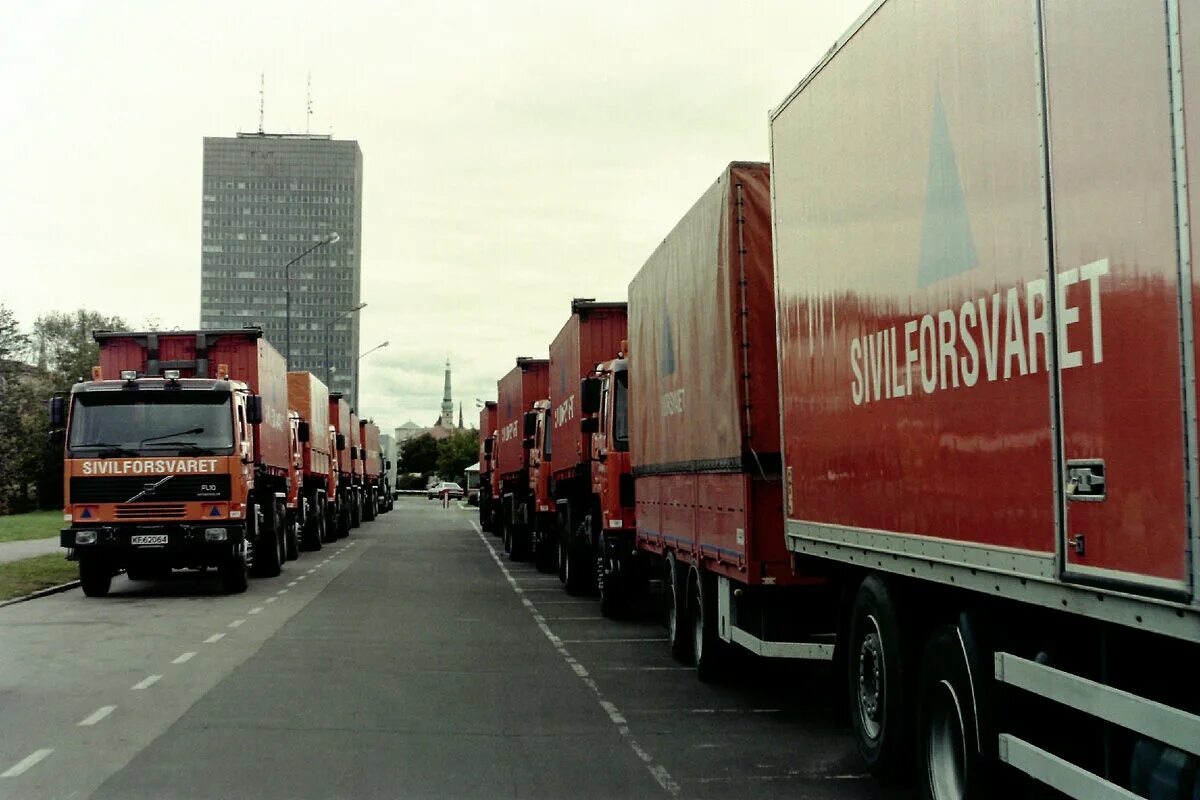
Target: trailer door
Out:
[1120,318]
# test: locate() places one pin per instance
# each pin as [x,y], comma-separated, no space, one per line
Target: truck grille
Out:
[180,488]
[147,511]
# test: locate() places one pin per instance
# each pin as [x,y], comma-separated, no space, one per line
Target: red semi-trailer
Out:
[517,391]
[488,486]
[354,436]
[177,456]
[372,468]
[987,311]
[593,333]
[340,423]
[704,434]
[310,399]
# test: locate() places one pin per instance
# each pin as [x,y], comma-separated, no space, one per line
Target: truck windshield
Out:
[620,421]
[164,422]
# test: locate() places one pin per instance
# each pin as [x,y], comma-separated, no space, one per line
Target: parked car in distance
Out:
[455,490]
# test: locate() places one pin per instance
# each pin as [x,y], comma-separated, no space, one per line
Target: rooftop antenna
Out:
[308,95]
[262,83]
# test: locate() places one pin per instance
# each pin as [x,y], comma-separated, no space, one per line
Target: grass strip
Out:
[19,578]
[35,525]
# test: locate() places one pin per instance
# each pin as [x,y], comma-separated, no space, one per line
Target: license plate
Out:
[158,538]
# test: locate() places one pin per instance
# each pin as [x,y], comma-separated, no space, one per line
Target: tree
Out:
[419,454]
[64,345]
[456,452]
[12,342]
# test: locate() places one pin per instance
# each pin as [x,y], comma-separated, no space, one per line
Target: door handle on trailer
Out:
[1086,481]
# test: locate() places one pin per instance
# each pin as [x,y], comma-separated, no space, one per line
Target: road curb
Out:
[62,587]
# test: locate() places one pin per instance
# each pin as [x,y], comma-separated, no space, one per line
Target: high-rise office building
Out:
[268,198]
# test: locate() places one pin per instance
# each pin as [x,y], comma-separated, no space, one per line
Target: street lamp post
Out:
[373,349]
[325,336]
[287,292]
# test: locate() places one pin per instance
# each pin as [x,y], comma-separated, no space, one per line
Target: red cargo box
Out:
[354,439]
[704,406]
[517,390]
[593,334]
[369,435]
[339,418]
[310,399]
[487,426]
[198,354]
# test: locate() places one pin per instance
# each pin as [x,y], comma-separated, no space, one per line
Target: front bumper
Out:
[186,543]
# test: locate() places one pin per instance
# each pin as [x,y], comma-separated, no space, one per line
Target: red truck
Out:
[309,398]
[593,333]
[372,468]
[518,514]
[177,456]
[341,428]
[987,315]
[356,470]
[487,486]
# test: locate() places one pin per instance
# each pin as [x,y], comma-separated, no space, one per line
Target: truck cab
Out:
[542,507]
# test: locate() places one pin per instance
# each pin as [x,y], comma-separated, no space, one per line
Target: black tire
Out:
[343,527]
[948,761]
[545,557]
[234,573]
[612,587]
[678,629]
[291,536]
[368,505]
[485,517]
[580,567]
[267,561]
[878,671]
[355,509]
[506,537]
[710,654]
[95,575]
[311,534]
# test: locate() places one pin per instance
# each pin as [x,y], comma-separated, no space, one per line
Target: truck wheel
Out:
[267,562]
[710,654]
[877,672]
[310,532]
[612,586]
[344,521]
[678,630]
[291,538]
[947,751]
[580,567]
[506,537]
[234,573]
[368,512]
[355,509]
[546,555]
[562,561]
[95,575]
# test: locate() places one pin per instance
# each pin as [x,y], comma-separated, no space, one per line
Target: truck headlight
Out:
[85,537]
[215,534]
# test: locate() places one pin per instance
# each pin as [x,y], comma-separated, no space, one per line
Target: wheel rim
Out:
[872,689]
[672,622]
[946,746]
[698,634]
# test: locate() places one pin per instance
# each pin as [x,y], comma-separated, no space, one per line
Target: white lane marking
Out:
[311,571]
[183,659]
[256,609]
[648,669]
[270,599]
[145,683]
[299,578]
[567,602]
[609,641]
[25,763]
[216,637]
[658,771]
[579,619]
[236,623]
[94,717]
[282,591]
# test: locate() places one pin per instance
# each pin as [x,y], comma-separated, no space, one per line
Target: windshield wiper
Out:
[113,449]
[169,435]
[190,448]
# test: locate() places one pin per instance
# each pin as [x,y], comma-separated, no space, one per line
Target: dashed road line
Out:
[658,771]
[237,623]
[270,599]
[94,717]
[282,591]
[216,637]
[184,658]
[145,683]
[291,583]
[299,578]
[256,610]
[610,641]
[25,763]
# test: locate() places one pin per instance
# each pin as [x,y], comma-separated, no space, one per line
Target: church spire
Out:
[447,403]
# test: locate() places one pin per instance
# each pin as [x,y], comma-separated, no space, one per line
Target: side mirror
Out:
[341,442]
[527,444]
[589,395]
[254,409]
[589,425]
[530,423]
[302,431]
[353,452]
[58,412]
[57,436]
[488,443]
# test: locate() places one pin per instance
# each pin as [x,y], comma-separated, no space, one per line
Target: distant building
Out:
[408,430]
[266,199]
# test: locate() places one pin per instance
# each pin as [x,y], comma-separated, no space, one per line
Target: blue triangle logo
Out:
[216,512]
[667,355]
[87,514]
[947,247]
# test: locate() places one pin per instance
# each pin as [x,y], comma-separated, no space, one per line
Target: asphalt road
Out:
[410,660]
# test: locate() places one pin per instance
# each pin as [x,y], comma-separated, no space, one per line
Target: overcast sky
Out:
[516,154]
